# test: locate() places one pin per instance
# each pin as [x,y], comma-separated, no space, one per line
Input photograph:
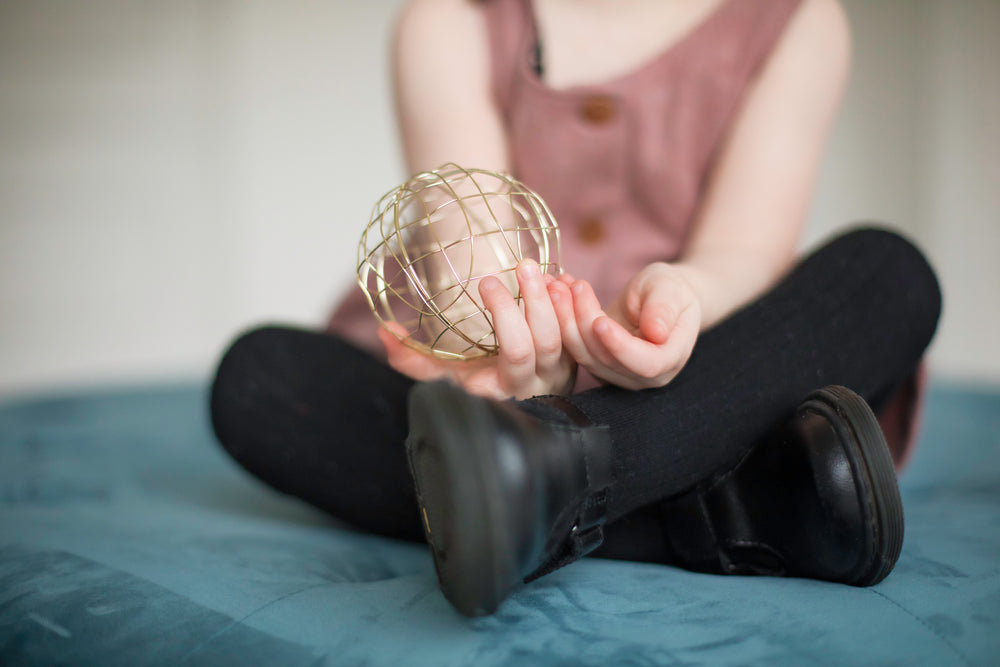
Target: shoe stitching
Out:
[869,494]
[861,473]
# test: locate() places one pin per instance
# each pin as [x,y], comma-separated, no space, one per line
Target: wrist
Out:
[708,288]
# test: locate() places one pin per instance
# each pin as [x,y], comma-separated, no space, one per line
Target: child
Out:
[677,144]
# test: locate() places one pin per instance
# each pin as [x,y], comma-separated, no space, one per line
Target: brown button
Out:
[598,109]
[591,230]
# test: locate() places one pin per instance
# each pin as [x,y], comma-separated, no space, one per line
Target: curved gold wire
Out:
[430,240]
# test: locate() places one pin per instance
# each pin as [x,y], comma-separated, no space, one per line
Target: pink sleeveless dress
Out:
[623,164]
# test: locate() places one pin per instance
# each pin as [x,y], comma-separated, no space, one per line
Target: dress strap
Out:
[512,35]
[742,34]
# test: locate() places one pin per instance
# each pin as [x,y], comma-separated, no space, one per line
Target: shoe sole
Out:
[870,462]
[451,457]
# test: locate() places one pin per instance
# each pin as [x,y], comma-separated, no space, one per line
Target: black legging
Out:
[315,417]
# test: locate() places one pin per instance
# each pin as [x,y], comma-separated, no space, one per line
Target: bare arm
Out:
[446,113]
[444,104]
[749,224]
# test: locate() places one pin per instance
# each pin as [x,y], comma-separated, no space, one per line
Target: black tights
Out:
[315,417]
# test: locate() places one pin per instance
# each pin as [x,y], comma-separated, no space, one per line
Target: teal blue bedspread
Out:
[128,538]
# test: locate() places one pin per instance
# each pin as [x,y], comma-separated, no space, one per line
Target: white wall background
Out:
[174,170]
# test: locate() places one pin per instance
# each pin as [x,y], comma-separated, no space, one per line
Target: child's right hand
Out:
[531,360]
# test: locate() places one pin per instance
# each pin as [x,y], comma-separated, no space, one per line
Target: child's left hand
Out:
[645,337]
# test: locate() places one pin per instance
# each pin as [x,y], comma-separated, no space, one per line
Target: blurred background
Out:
[172,171]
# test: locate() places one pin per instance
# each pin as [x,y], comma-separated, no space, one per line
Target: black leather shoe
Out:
[819,499]
[504,497]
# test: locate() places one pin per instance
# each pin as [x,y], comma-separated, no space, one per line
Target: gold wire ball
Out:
[431,240]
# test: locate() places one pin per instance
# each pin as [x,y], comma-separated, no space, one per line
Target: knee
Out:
[905,271]
[244,357]
[242,373]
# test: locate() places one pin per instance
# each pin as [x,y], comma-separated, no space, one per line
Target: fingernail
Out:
[555,295]
[529,269]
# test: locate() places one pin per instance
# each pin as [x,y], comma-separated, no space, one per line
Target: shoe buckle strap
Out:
[586,535]
[690,533]
[587,532]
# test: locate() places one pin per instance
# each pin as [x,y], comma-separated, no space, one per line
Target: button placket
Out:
[597,110]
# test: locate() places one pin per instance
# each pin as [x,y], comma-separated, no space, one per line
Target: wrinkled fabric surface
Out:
[128,537]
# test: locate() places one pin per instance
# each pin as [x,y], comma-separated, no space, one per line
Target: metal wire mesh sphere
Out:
[431,240]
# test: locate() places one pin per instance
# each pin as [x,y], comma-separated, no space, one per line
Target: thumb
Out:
[405,359]
[656,314]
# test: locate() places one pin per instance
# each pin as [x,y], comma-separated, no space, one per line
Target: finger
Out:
[684,333]
[408,361]
[588,310]
[541,317]
[391,335]
[396,328]
[633,356]
[562,304]
[485,383]
[650,364]
[633,307]
[516,361]
[656,319]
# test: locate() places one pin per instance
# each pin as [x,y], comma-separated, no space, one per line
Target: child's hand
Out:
[643,340]
[531,359]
